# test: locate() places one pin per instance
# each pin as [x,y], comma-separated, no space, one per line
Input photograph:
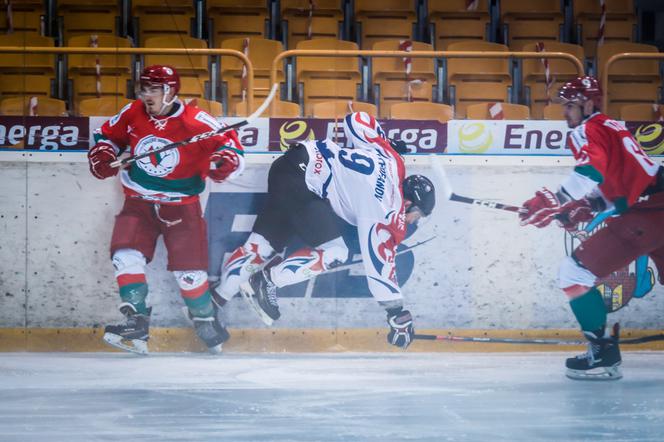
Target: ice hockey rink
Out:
[325,397]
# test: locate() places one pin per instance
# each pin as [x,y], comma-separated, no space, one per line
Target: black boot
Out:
[212,332]
[261,293]
[602,359]
[133,334]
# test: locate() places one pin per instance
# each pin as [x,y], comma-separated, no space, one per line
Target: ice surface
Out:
[325,397]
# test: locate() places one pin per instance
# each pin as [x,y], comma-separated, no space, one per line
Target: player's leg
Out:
[132,246]
[186,243]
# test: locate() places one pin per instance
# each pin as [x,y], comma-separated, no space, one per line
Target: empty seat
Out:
[325,21]
[422,111]
[531,21]
[101,107]
[631,81]
[19,84]
[26,16]
[83,17]
[233,19]
[452,20]
[339,108]
[27,63]
[477,80]
[534,78]
[481,111]
[261,52]
[642,112]
[162,17]
[392,83]
[88,62]
[553,112]
[282,109]
[326,78]
[619,27]
[110,85]
[213,108]
[36,106]
[384,20]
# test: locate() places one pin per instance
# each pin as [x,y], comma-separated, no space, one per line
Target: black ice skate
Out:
[600,362]
[132,335]
[212,332]
[261,293]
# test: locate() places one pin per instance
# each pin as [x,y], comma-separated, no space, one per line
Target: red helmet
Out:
[581,89]
[161,75]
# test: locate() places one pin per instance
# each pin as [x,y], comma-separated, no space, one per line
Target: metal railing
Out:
[143,51]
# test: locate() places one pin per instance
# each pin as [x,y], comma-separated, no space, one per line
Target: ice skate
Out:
[133,334]
[600,362]
[261,293]
[212,332]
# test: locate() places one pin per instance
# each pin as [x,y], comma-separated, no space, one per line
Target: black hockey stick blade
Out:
[201,136]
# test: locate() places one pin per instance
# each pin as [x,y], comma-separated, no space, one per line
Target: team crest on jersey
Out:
[160,164]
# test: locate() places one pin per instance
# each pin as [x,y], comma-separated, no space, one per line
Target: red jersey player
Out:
[161,198]
[611,172]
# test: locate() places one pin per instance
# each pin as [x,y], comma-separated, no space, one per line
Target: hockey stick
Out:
[488,340]
[201,136]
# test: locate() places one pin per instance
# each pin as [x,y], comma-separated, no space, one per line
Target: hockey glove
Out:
[224,164]
[573,213]
[100,157]
[401,328]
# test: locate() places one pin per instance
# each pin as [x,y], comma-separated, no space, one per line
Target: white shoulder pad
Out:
[208,120]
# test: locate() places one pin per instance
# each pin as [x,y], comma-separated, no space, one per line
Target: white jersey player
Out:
[309,187]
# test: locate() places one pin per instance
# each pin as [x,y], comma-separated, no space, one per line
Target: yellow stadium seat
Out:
[27,63]
[389,74]
[192,87]
[631,81]
[340,108]
[327,78]
[88,24]
[27,16]
[46,107]
[326,20]
[261,53]
[233,19]
[642,112]
[421,111]
[619,27]
[213,108]
[480,111]
[531,21]
[162,17]
[101,107]
[112,85]
[534,79]
[29,84]
[108,63]
[384,20]
[451,21]
[553,112]
[282,109]
[477,80]
[185,64]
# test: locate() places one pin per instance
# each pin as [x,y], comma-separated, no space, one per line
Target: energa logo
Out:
[474,137]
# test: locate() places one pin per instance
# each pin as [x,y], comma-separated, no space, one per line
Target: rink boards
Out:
[469,270]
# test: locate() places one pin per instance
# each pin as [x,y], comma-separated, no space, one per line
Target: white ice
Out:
[325,397]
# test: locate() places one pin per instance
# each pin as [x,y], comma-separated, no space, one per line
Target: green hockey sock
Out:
[590,310]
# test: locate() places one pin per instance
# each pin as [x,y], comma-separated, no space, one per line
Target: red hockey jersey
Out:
[608,156]
[175,176]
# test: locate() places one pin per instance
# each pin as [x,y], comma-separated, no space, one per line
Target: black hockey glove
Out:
[401,327]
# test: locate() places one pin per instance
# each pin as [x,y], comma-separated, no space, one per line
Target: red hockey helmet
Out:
[161,75]
[580,90]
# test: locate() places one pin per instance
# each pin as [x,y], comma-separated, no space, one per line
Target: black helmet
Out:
[419,190]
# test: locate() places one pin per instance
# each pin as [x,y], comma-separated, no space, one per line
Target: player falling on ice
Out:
[611,173]
[161,198]
[309,187]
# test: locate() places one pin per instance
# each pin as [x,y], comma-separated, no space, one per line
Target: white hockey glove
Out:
[401,327]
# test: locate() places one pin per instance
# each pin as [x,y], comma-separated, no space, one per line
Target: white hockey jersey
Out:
[364,188]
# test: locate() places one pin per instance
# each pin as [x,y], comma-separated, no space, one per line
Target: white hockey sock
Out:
[244,262]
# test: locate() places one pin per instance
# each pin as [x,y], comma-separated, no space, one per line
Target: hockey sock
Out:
[244,262]
[134,290]
[195,292]
[307,263]
[589,310]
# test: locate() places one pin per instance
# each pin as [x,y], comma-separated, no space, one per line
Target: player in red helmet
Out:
[161,198]
[611,173]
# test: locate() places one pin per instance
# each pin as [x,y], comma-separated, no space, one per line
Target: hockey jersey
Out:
[364,188]
[175,176]
[610,160]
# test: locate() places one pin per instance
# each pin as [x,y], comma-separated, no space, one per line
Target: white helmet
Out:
[363,131]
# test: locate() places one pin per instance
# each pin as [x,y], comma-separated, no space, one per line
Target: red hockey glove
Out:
[100,157]
[573,213]
[225,163]
[540,210]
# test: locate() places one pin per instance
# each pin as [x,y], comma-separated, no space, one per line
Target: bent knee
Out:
[574,279]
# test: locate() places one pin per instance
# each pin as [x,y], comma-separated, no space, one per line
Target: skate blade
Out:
[216,350]
[136,346]
[596,374]
[248,295]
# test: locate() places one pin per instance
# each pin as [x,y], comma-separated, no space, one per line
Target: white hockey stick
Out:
[201,136]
